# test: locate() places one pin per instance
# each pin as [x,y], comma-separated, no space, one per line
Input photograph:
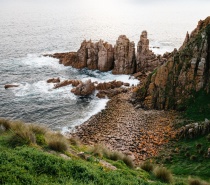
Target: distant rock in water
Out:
[186,70]
[121,58]
[7,86]
[53,80]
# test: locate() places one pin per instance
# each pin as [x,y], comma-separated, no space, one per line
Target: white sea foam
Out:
[37,61]
[96,106]
[44,90]
[107,77]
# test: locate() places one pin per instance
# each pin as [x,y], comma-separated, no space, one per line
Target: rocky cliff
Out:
[121,59]
[186,71]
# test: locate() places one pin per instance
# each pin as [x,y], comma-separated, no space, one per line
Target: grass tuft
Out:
[163,174]
[57,142]
[147,166]
[5,124]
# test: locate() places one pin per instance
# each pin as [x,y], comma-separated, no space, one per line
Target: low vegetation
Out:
[32,154]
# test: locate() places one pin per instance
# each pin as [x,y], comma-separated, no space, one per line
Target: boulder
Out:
[84,88]
[124,56]
[109,85]
[53,80]
[74,83]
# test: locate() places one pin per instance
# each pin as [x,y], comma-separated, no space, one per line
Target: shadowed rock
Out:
[7,86]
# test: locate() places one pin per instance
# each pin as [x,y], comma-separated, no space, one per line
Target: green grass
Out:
[23,163]
[188,158]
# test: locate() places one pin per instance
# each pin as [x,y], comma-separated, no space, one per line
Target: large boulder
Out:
[124,56]
[84,88]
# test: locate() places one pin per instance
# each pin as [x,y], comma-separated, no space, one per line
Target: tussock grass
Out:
[22,136]
[192,181]
[38,129]
[102,151]
[163,174]
[74,141]
[147,166]
[57,142]
[5,124]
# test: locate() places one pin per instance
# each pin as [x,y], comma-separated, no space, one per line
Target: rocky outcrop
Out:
[124,55]
[121,59]
[185,71]
[109,85]
[105,56]
[7,86]
[74,83]
[194,130]
[146,60]
[84,88]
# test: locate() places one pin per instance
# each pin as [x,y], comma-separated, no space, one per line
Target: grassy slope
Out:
[188,158]
[37,164]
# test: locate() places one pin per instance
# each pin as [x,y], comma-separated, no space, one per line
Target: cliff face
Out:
[185,71]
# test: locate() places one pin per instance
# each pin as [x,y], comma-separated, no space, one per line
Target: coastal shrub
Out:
[163,174]
[147,166]
[5,124]
[57,142]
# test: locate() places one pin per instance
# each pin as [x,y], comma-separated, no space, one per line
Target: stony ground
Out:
[133,131]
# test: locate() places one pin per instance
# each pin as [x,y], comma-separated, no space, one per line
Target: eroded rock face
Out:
[124,56]
[105,56]
[84,88]
[185,71]
[146,60]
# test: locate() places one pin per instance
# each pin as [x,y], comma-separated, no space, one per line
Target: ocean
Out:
[29,29]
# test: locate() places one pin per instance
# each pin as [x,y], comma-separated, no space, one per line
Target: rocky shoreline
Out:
[135,132]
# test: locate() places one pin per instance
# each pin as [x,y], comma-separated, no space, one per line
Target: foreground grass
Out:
[28,156]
